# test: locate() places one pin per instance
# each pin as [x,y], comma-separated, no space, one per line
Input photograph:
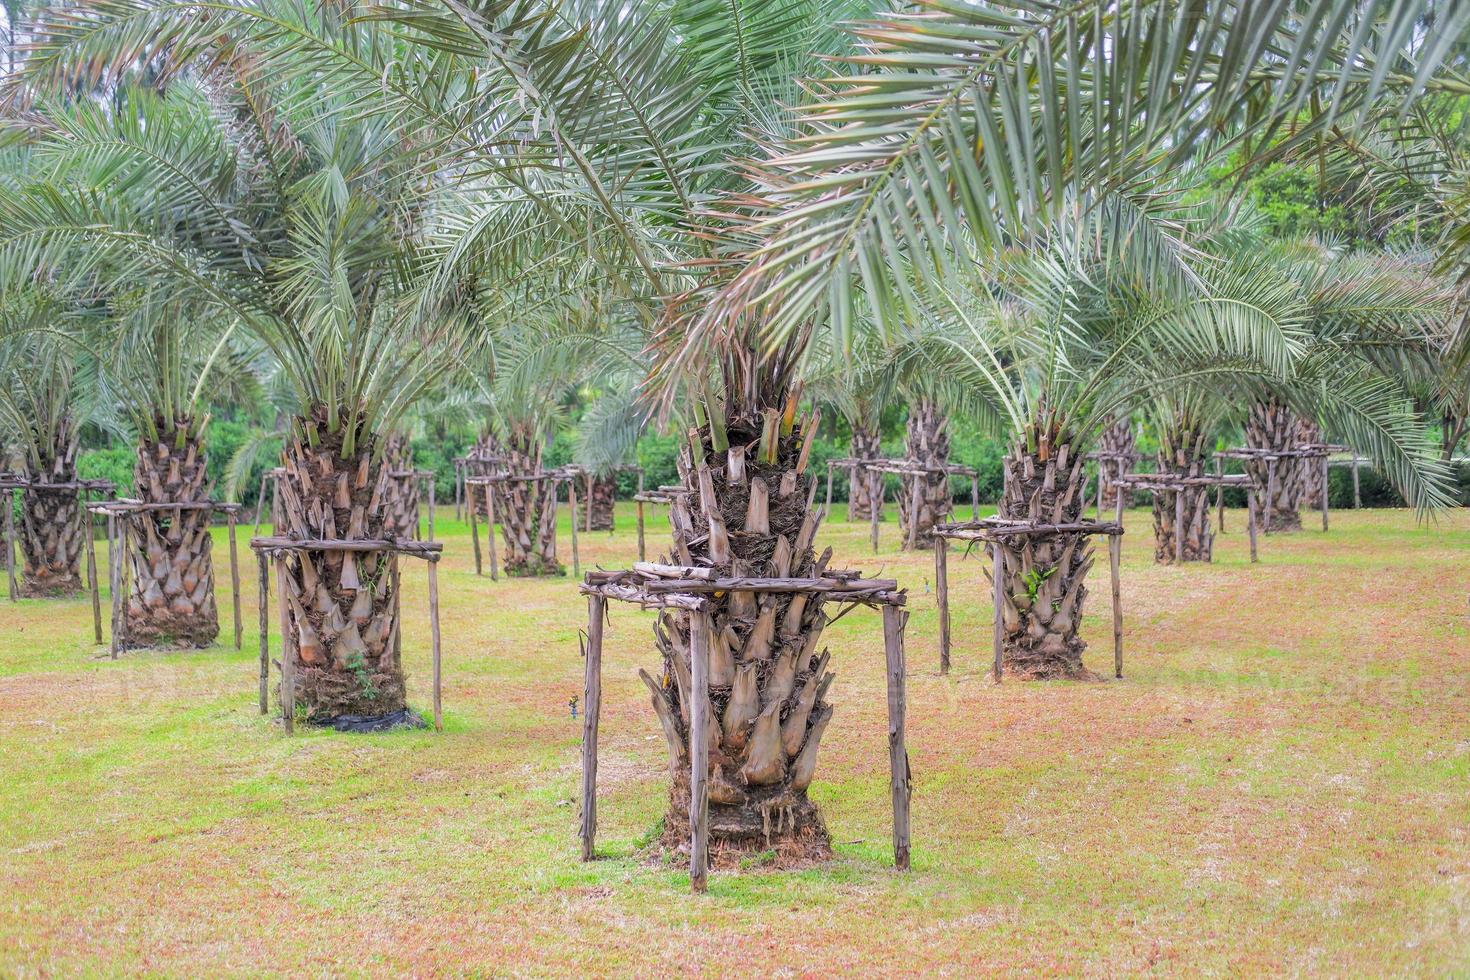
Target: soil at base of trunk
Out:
[767,679]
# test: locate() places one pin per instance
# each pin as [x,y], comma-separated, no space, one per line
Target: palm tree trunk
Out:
[1044,588]
[1117,439]
[172,603]
[1309,433]
[400,503]
[865,444]
[1272,425]
[767,679]
[483,460]
[341,607]
[600,494]
[927,445]
[52,525]
[527,510]
[1182,453]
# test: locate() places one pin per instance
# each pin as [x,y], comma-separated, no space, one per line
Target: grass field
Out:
[1280,784]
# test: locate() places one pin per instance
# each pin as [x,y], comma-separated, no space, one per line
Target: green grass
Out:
[1281,783]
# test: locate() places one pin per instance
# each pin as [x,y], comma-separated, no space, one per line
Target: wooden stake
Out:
[642,555]
[469,491]
[591,707]
[974,498]
[119,583]
[941,591]
[875,502]
[96,587]
[1324,493]
[265,642]
[572,503]
[433,493]
[1357,490]
[1179,527]
[1220,492]
[10,543]
[1270,493]
[235,581]
[114,578]
[260,504]
[699,753]
[916,501]
[1250,516]
[852,472]
[490,532]
[458,487]
[1101,467]
[434,635]
[288,656]
[829,486]
[998,571]
[1115,548]
[898,758]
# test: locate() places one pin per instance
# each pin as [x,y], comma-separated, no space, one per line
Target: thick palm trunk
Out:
[52,526]
[484,459]
[927,445]
[1182,453]
[527,510]
[341,607]
[401,503]
[1044,588]
[1117,439]
[1308,433]
[865,444]
[172,602]
[599,493]
[1271,425]
[767,678]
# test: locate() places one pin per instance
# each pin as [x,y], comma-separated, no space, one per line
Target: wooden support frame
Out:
[120,515]
[10,484]
[991,531]
[275,550]
[1304,454]
[1157,483]
[489,483]
[658,586]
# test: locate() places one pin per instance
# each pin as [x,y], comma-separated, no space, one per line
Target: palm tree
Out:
[282,196]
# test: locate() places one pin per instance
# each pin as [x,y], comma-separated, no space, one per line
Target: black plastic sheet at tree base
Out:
[403,718]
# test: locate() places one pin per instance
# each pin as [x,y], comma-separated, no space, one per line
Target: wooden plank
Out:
[264,587]
[235,582]
[288,653]
[900,786]
[92,578]
[998,572]
[591,707]
[699,753]
[1115,549]
[941,592]
[434,634]
[490,533]
[475,525]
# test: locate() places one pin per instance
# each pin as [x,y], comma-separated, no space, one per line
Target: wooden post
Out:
[941,591]
[916,501]
[260,503]
[1270,493]
[1101,464]
[1220,492]
[1357,490]
[974,498]
[10,543]
[829,488]
[265,641]
[1115,548]
[998,573]
[490,531]
[852,472]
[641,555]
[458,488]
[572,504]
[1324,492]
[591,707]
[96,586]
[898,758]
[1179,526]
[114,579]
[118,579]
[699,753]
[434,635]
[469,493]
[433,493]
[288,657]
[1250,516]
[875,503]
[235,581]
